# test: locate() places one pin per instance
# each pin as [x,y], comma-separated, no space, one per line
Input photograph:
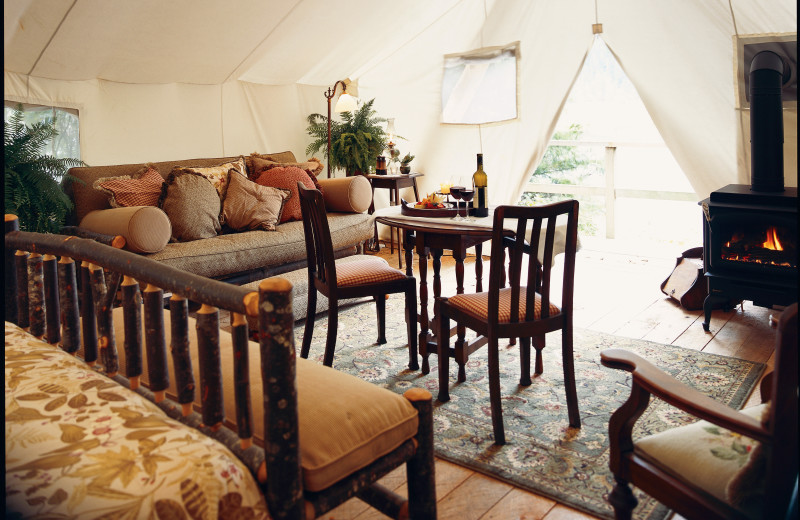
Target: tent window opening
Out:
[67,143]
[480,86]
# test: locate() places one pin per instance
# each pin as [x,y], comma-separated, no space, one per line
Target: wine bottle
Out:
[480,204]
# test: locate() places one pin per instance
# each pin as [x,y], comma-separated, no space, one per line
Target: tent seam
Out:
[47,45]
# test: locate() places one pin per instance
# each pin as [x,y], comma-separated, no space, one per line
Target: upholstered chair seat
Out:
[365,271]
[477,304]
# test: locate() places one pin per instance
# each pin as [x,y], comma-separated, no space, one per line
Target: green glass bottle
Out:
[480,204]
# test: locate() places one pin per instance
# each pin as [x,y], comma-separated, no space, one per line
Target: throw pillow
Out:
[218,175]
[280,157]
[251,206]
[312,167]
[348,194]
[142,189]
[192,205]
[287,179]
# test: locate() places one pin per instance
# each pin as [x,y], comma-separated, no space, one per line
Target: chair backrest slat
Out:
[36,295]
[89,321]
[107,344]
[70,312]
[52,306]
[21,268]
[179,347]
[209,361]
[154,342]
[241,377]
[132,326]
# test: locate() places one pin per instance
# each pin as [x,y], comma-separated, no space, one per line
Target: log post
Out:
[279,375]
[89,321]
[36,295]
[155,344]
[21,269]
[106,341]
[11,224]
[208,353]
[181,356]
[241,379]
[70,313]
[51,304]
[420,468]
[132,325]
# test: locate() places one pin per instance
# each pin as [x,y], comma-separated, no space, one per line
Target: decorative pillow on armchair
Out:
[249,205]
[287,178]
[192,204]
[143,189]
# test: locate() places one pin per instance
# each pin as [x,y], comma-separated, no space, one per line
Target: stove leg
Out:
[708,304]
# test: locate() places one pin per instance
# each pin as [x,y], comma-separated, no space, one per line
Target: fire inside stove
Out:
[770,245]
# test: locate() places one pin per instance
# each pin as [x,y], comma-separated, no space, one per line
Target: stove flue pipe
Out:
[766,122]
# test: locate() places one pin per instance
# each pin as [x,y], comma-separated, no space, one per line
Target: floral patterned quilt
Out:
[79,445]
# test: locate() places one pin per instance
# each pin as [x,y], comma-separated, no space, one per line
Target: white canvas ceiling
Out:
[159,80]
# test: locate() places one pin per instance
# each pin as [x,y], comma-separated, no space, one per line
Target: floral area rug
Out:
[543,454]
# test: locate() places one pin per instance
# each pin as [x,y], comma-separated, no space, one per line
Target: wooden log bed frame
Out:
[62,289]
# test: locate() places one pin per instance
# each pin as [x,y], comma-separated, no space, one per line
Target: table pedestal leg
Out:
[461,330]
[424,335]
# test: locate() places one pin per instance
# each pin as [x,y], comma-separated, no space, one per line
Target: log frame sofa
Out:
[44,297]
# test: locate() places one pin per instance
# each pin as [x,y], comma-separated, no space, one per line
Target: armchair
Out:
[732,464]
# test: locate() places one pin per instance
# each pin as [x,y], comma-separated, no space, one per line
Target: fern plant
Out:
[32,189]
[355,141]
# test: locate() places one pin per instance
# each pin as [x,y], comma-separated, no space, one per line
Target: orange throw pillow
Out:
[286,178]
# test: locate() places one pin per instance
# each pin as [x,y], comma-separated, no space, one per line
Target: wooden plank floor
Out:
[615,292]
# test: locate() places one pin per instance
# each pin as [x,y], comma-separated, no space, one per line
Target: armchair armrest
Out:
[117,241]
[653,381]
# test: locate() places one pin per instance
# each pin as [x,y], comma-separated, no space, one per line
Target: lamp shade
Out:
[390,129]
[346,103]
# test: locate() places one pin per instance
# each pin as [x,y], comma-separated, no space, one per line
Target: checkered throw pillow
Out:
[477,304]
[127,191]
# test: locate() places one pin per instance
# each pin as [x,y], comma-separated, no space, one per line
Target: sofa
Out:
[240,256]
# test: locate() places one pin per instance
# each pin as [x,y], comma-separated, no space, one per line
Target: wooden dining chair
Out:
[729,465]
[367,276]
[517,311]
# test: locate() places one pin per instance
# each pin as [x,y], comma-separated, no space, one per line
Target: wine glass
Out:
[466,195]
[455,192]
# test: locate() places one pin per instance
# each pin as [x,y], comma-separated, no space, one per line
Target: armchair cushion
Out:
[78,444]
[347,194]
[340,432]
[709,457]
[146,229]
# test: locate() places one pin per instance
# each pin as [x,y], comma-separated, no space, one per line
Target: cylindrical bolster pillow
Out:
[347,194]
[146,228]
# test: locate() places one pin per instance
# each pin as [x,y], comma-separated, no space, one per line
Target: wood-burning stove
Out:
[750,231]
[750,247]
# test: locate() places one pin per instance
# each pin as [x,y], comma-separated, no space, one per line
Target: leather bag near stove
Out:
[686,284]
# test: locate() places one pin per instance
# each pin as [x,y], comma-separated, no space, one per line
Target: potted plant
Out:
[32,189]
[405,163]
[356,141]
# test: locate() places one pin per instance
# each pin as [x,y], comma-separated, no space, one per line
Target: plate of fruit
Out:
[432,205]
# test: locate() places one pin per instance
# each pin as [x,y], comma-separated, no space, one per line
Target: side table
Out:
[393,183]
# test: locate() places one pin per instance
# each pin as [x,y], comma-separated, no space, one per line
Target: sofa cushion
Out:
[146,228]
[141,189]
[287,179]
[248,205]
[344,422]
[349,194]
[222,255]
[79,445]
[192,204]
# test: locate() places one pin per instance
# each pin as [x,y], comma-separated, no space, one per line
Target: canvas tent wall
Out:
[157,80]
